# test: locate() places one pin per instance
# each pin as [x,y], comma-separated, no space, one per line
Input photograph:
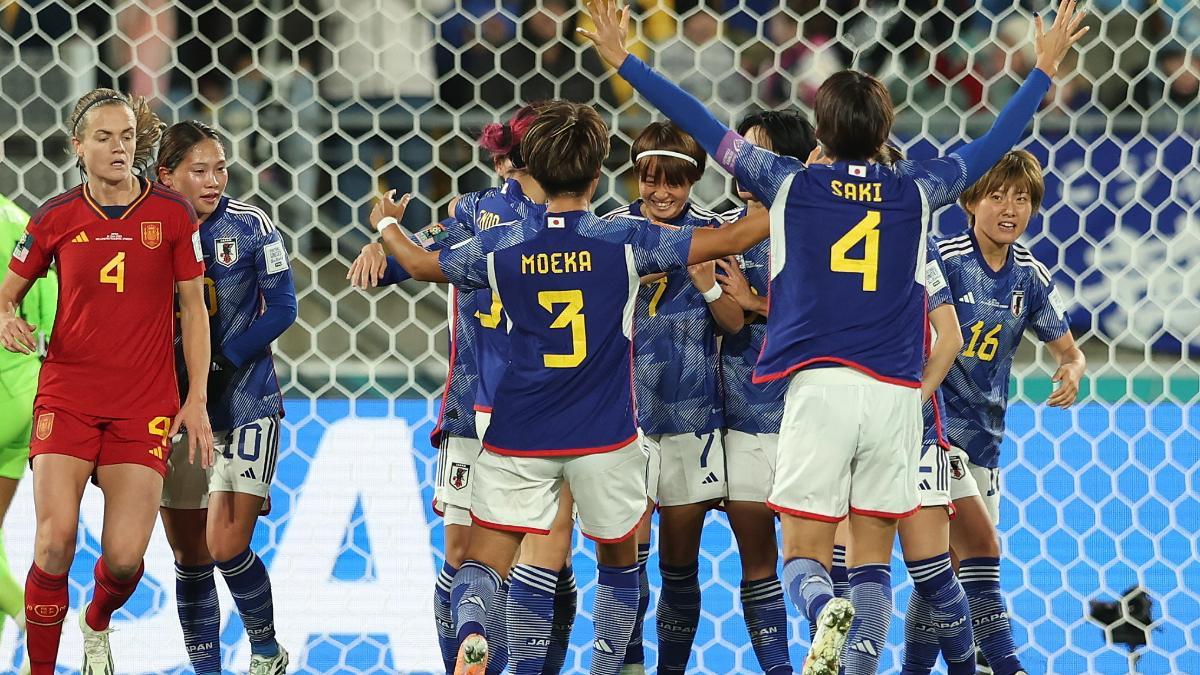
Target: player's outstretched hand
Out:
[612,30]
[1051,47]
[388,207]
[368,267]
[1067,376]
[193,417]
[704,275]
[16,334]
[733,282]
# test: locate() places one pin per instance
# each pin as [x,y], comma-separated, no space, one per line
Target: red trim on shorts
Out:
[619,539]
[564,452]
[760,379]
[807,515]
[885,514]
[433,505]
[506,528]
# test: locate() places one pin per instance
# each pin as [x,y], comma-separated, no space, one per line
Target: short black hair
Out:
[790,131]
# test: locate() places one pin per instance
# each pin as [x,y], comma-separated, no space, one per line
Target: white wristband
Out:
[385,222]
[713,294]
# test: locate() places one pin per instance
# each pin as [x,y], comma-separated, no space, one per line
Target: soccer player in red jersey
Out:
[107,402]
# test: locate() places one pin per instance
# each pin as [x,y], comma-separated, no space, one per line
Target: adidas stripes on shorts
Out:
[244,461]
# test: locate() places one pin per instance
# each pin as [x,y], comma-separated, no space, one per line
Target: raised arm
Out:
[1051,47]
[421,265]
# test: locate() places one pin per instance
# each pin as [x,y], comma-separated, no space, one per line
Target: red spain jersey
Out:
[112,354]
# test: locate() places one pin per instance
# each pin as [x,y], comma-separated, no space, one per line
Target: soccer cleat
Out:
[633,669]
[833,626]
[97,655]
[472,656]
[269,665]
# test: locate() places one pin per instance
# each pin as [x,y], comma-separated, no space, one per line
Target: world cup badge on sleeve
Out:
[1017,304]
[45,424]
[151,234]
[227,251]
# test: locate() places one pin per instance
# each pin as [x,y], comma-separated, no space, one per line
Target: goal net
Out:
[323,102]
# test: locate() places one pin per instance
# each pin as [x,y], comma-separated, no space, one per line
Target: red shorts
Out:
[101,440]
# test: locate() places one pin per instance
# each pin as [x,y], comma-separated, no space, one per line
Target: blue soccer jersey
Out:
[994,310]
[675,345]
[847,239]
[569,284]
[251,301]
[938,292]
[753,408]
[457,415]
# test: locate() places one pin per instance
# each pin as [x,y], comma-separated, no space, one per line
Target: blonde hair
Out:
[148,127]
[1017,168]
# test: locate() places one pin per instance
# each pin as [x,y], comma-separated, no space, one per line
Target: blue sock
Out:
[839,574]
[615,610]
[921,646]
[566,606]
[808,586]
[766,620]
[935,583]
[496,626]
[474,587]
[530,617]
[871,593]
[678,616]
[443,618]
[989,615]
[636,653]
[200,616]
[248,583]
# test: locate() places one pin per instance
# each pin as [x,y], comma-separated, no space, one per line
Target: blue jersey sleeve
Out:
[659,248]
[467,207]
[433,238]
[1048,313]
[279,295]
[760,171]
[936,286]
[944,178]
[466,264]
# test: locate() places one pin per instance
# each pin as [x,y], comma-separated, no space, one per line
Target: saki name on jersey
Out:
[995,308]
[569,283]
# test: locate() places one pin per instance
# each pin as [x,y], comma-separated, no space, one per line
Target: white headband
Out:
[664,153]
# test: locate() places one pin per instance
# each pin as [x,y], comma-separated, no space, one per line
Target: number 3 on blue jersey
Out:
[570,317]
[866,231]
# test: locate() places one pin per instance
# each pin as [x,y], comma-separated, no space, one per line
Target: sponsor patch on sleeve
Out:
[196,250]
[21,252]
[1057,303]
[276,257]
[934,279]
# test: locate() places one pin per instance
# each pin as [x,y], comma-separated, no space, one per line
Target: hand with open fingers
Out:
[193,416]
[1051,47]
[388,207]
[704,275]
[16,334]
[612,30]
[368,267]
[817,156]
[733,281]
[1067,377]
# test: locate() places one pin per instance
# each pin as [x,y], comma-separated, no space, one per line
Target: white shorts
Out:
[750,462]
[244,461]
[933,477]
[520,494]
[847,442]
[456,466]
[483,420]
[970,480]
[691,467]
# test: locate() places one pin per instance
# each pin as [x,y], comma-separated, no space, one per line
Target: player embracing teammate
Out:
[847,278]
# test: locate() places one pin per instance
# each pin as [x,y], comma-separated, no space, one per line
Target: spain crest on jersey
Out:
[151,234]
[45,424]
[1017,303]
[227,251]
